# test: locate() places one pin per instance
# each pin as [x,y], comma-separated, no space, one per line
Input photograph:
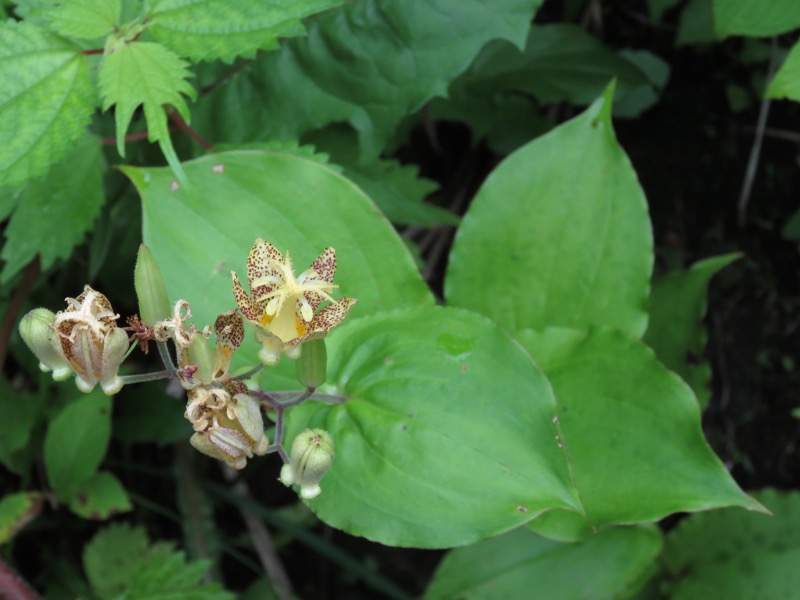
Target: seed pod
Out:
[312,365]
[311,457]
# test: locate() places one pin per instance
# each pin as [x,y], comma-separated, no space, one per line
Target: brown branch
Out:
[182,125]
[94,51]
[11,317]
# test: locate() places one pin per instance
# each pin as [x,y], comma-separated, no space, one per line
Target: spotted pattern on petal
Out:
[326,319]
[325,268]
[260,264]
[247,305]
[229,329]
[234,386]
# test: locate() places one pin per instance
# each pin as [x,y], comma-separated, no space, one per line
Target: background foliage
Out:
[571,229]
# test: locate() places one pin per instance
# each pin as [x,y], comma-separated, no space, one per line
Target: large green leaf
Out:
[76,442]
[521,564]
[543,246]
[100,497]
[45,101]
[86,19]
[369,65]
[113,557]
[54,213]
[445,436]
[632,429]
[211,29]
[786,83]
[675,331]
[755,18]
[198,235]
[737,555]
[151,76]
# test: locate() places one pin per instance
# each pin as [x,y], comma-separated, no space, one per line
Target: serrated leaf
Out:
[148,75]
[294,203]
[45,102]
[86,19]
[615,400]
[100,497]
[737,555]
[76,442]
[53,214]
[219,29]
[426,392]
[16,511]
[540,246]
[675,331]
[754,18]
[369,65]
[786,83]
[170,577]
[520,564]
[113,557]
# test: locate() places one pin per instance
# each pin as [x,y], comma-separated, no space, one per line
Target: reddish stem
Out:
[94,51]
[188,130]
[13,586]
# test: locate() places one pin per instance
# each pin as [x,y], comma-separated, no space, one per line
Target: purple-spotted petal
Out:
[326,319]
[247,305]
[261,263]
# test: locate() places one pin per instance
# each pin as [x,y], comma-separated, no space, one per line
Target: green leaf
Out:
[397,189]
[21,413]
[100,497]
[76,442]
[369,65]
[446,433]
[676,332]
[169,576]
[657,8]
[150,75]
[540,246]
[521,564]
[737,555]
[53,214]
[86,19]
[199,235]
[786,83]
[16,511]
[632,429]
[211,29]
[696,25]
[113,557]
[755,18]
[45,102]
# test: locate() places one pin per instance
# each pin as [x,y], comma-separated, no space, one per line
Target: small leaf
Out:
[786,83]
[100,497]
[113,557]
[54,213]
[16,511]
[445,435]
[219,29]
[614,400]
[757,19]
[676,331]
[168,575]
[150,75]
[86,19]
[45,102]
[520,564]
[540,246]
[21,413]
[76,442]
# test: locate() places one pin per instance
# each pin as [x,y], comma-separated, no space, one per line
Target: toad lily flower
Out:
[90,341]
[284,307]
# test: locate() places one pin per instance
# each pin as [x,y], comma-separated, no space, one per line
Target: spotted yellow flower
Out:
[284,307]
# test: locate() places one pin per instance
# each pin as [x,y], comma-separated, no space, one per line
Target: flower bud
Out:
[114,350]
[311,457]
[247,414]
[199,354]
[312,365]
[37,332]
[225,445]
[154,302]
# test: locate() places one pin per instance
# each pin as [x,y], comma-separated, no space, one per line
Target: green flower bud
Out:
[222,444]
[154,303]
[37,332]
[311,457]
[312,365]
[200,355]
[247,414]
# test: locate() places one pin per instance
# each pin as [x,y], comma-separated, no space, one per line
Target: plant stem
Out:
[249,374]
[166,357]
[184,126]
[277,446]
[142,377]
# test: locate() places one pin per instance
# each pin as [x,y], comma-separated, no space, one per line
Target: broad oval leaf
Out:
[558,235]
[76,442]
[632,429]
[786,83]
[445,435]
[199,235]
[520,564]
[45,102]
[753,18]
